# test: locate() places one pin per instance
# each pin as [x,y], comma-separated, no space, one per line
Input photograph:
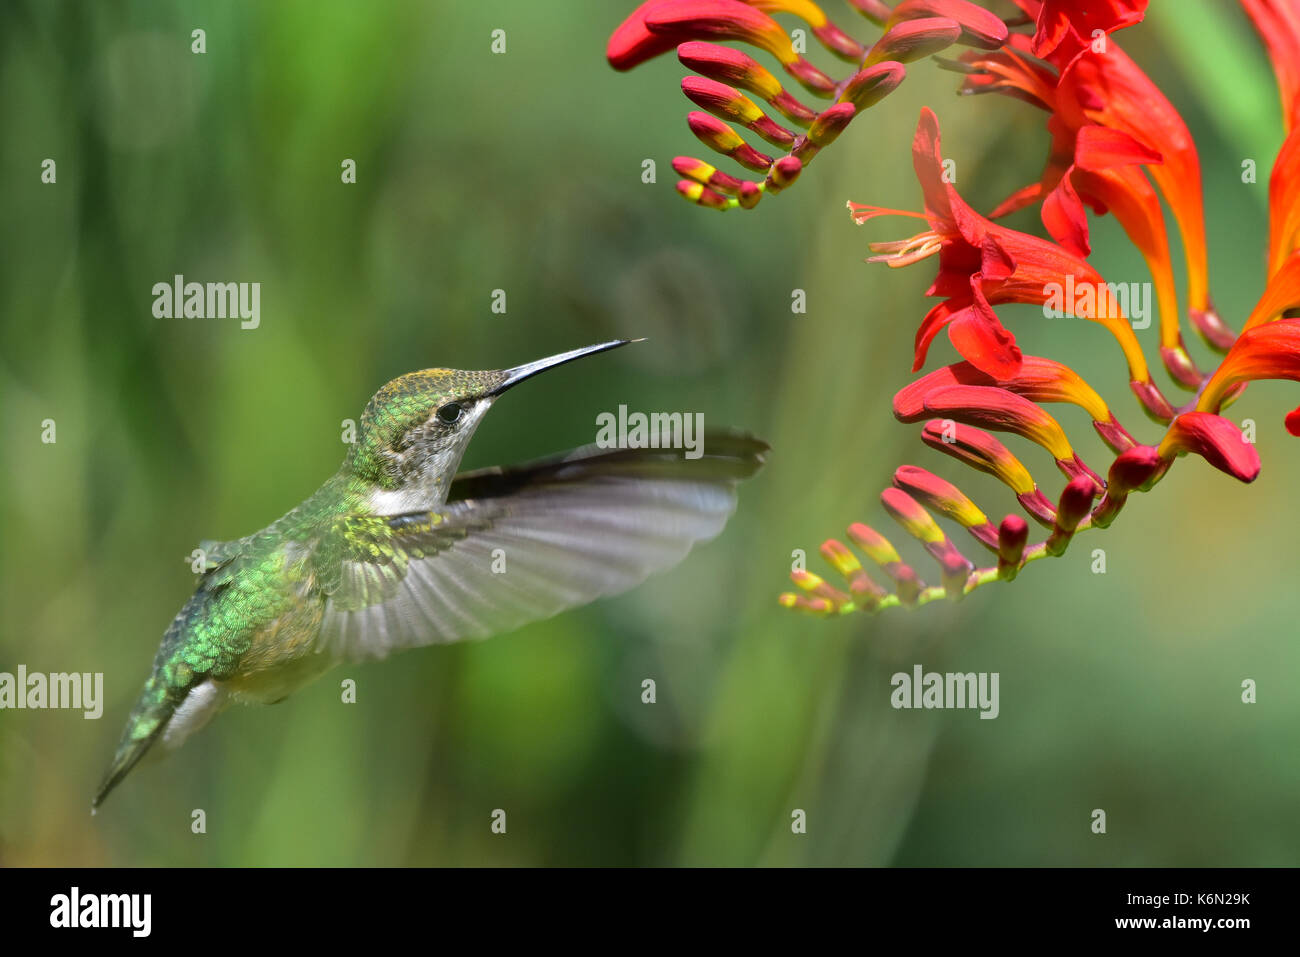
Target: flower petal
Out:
[980,27]
[1269,351]
[1215,439]
[1039,380]
[992,408]
[1278,23]
[1065,218]
[982,340]
[934,320]
[1066,26]
[1100,147]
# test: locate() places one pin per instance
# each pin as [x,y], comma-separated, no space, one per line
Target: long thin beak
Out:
[529,369]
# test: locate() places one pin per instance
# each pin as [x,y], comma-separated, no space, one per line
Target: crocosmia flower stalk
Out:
[731,84]
[1115,145]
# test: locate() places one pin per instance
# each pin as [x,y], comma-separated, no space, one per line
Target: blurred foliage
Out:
[522,172]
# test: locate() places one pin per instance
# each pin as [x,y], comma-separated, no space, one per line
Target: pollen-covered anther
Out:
[904,252]
[882,552]
[910,40]
[1073,508]
[721,138]
[1013,534]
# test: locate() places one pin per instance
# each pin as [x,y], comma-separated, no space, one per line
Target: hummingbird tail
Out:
[128,754]
[148,719]
[160,719]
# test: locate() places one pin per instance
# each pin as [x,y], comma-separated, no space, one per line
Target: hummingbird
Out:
[396,550]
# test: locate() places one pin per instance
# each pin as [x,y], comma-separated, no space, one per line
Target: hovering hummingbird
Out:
[397,551]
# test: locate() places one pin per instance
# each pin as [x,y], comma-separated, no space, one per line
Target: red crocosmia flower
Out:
[980,27]
[1039,380]
[1269,351]
[1278,23]
[698,29]
[1064,27]
[633,43]
[1117,145]
[974,330]
[657,26]
[1110,127]
[1111,90]
[982,264]
[1000,410]
[1216,440]
[1284,202]
[1281,294]
[1086,163]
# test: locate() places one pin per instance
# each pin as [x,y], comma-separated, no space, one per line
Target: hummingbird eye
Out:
[450,412]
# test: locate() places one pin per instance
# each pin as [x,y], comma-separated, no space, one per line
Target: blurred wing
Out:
[517,545]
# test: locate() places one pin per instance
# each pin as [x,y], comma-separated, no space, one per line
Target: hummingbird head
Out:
[415,429]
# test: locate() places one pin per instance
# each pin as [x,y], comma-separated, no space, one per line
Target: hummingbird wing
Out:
[516,545]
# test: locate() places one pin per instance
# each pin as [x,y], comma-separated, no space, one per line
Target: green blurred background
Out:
[522,172]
